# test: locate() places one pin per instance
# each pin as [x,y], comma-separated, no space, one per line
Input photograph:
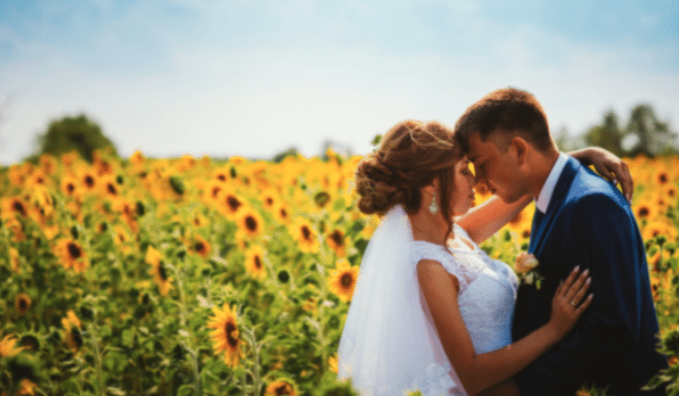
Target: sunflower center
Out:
[251,224]
[346,280]
[215,191]
[111,188]
[19,207]
[222,177]
[258,262]
[199,247]
[74,250]
[89,180]
[284,213]
[282,390]
[643,212]
[70,188]
[337,237]
[233,203]
[306,233]
[269,201]
[231,334]
[662,178]
[23,304]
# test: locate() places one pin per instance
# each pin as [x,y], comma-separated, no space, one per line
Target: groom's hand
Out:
[505,388]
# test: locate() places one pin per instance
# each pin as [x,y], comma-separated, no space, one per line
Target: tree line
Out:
[642,134]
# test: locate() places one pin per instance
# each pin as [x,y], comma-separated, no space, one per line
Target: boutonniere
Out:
[526,270]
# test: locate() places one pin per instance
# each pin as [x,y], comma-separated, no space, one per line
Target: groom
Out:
[580,219]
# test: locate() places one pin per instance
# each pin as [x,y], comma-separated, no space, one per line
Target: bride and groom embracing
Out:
[432,312]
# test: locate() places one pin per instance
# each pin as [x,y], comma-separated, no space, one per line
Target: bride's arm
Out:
[480,372]
[483,221]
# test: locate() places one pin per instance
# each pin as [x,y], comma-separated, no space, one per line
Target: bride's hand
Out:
[609,166]
[569,302]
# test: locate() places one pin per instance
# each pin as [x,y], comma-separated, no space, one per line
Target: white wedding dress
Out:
[389,343]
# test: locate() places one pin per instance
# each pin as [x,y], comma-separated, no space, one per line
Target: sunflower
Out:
[225,336]
[200,247]
[199,220]
[281,387]
[335,240]
[137,158]
[221,175]
[305,235]
[212,190]
[671,191]
[72,334]
[254,262]
[7,348]
[26,388]
[158,270]
[88,180]
[69,186]
[250,222]
[14,206]
[343,280]
[22,302]
[645,210]
[36,179]
[109,187]
[657,227]
[661,176]
[229,203]
[269,198]
[281,213]
[71,254]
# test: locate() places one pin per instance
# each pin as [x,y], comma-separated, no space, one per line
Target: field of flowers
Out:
[197,276]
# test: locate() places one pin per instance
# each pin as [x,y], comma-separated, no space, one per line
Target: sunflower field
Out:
[218,277]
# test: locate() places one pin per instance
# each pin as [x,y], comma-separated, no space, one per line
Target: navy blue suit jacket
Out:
[589,223]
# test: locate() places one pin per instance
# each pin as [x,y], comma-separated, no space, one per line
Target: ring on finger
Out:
[573,303]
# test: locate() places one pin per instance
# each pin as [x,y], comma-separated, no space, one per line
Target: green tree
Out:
[607,135]
[565,142]
[652,136]
[74,133]
[292,151]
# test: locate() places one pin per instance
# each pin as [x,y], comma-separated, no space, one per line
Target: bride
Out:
[431,311]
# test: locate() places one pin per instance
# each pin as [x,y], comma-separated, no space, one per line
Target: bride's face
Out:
[463,188]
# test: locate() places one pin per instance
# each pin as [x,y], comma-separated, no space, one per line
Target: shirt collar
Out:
[545,196]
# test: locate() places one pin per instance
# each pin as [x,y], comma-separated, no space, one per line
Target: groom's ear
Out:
[520,148]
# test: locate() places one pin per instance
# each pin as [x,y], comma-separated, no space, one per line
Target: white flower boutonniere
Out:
[526,270]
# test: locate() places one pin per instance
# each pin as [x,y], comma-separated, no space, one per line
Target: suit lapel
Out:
[559,194]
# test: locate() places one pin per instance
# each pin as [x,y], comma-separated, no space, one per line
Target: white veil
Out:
[385,347]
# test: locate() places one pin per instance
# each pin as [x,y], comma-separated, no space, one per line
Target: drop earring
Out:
[433,208]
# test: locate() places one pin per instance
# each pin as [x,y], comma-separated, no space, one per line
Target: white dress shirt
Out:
[545,196]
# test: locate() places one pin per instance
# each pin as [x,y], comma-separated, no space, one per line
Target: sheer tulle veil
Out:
[385,346]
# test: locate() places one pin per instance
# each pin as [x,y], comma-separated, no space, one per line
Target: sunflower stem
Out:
[97,359]
[254,346]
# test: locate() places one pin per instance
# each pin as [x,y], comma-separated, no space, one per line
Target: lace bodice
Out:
[486,298]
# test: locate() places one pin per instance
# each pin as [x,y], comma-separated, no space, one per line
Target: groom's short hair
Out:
[509,111]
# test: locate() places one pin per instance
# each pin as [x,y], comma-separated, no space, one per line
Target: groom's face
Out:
[495,165]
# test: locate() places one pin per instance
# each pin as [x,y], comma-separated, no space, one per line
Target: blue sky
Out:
[254,78]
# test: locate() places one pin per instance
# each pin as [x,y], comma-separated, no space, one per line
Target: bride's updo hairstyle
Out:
[410,156]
